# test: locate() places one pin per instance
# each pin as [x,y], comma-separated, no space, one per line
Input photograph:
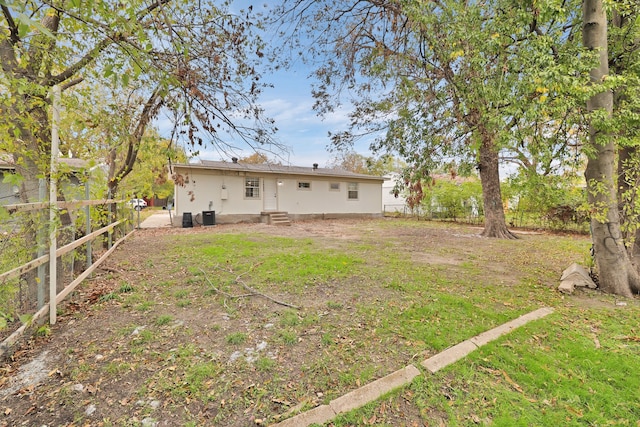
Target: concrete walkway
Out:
[159,219]
[372,391]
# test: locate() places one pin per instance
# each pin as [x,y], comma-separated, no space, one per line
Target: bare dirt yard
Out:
[160,338]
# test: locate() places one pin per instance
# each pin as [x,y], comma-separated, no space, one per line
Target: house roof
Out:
[6,162]
[278,170]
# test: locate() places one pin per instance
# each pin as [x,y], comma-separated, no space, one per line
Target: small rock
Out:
[149,422]
[155,404]
[91,409]
[235,356]
[99,357]
[77,387]
[261,346]
[268,326]
[137,330]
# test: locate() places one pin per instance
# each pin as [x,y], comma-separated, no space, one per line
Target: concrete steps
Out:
[279,218]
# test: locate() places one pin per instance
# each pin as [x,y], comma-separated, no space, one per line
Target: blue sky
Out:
[290,103]
[304,133]
[300,128]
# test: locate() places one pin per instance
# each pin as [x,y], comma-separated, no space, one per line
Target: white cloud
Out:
[290,104]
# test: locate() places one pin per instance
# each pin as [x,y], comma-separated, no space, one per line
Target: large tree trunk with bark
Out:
[615,270]
[31,151]
[628,177]
[495,224]
[628,162]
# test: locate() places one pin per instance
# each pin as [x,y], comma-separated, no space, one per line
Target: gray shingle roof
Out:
[278,169]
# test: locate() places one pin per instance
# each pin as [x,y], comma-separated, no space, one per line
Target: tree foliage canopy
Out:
[438,80]
[369,165]
[197,60]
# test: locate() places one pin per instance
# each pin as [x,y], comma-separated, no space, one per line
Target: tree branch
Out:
[221,291]
[149,111]
[13,28]
[8,57]
[82,62]
[71,83]
[101,46]
[247,287]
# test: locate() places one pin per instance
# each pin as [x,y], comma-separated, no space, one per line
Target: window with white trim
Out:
[304,185]
[252,188]
[352,191]
[334,186]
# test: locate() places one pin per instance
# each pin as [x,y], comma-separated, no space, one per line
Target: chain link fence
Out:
[558,219]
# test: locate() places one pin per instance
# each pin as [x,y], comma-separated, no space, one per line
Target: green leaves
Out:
[12,178]
[24,23]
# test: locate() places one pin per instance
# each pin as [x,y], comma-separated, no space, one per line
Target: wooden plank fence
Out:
[126,224]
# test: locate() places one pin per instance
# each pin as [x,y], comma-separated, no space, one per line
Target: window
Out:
[304,185]
[252,188]
[334,186]
[352,191]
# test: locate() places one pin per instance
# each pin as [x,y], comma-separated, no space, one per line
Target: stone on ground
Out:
[575,276]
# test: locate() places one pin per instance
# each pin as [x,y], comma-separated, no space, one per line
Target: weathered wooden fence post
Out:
[53,206]
[42,243]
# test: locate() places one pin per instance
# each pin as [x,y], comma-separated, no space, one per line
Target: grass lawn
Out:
[172,322]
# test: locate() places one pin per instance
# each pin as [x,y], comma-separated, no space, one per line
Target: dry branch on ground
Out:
[252,291]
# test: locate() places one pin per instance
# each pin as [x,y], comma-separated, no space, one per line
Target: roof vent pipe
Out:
[315,166]
[234,159]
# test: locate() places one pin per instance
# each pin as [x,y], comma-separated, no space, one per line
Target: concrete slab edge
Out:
[449,356]
[457,352]
[318,415]
[374,390]
[354,399]
[505,328]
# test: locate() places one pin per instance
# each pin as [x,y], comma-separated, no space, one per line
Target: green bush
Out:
[453,199]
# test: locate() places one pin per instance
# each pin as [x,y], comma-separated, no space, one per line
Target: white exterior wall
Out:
[206,189]
[320,199]
[390,203]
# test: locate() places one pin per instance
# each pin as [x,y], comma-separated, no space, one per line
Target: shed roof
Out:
[278,169]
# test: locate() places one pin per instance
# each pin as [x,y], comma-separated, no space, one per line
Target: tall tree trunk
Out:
[628,176]
[615,271]
[495,224]
[118,172]
[628,161]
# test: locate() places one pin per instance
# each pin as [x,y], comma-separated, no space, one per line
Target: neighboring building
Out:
[390,202]
[242,192]
[10,193]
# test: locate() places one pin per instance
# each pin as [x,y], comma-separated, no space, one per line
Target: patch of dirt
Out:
[28,375]
[435,259]
[167,353]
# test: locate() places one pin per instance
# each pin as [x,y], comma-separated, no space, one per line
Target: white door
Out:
[270,194]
